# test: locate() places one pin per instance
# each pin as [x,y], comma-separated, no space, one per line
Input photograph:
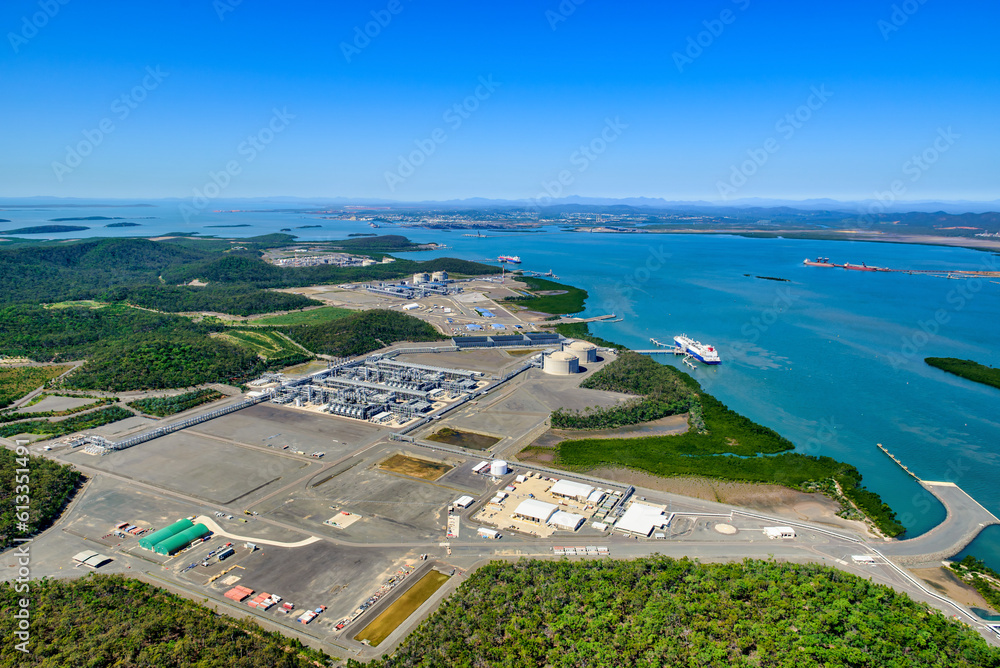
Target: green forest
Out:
[57,428]
[233,299]
[362,332]
[570,300]
[48,487]
[721,443]
[37,273]
[111,620]
[657,611]
[164,406]
[664,392]
[967,369]
[17,381]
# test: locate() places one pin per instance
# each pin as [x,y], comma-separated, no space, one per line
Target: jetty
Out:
[896,459]
[965,519]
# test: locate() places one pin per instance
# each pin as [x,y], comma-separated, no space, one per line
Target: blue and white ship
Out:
[698,350]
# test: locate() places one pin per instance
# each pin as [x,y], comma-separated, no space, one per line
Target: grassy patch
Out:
[570,300]
[463,439]
[269,345]
[316,316]
[415,467]
[17,381]
[967,369]
[382,626]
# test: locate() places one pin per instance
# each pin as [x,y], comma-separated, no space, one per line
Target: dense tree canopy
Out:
[362,332]
[663,612]
[47,488]
[116,621]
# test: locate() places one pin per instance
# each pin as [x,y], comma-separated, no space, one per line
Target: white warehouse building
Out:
[534,510]
[571,490]
[563,520]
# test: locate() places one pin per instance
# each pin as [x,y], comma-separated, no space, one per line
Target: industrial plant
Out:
[379,389]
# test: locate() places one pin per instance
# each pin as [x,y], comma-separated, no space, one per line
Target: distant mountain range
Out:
[647,204]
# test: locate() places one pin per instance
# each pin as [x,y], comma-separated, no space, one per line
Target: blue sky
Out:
[266,92]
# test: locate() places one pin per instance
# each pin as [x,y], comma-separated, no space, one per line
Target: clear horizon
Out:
[394,100]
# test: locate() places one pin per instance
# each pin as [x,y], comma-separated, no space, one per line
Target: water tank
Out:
[499,467]
[585,351]
[421,278]
[439,276]
[561,363]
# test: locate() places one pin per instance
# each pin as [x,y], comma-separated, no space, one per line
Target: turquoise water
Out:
[831,359]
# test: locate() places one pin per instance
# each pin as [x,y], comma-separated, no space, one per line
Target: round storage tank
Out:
[561,363]
[585,351]
[421,278]
[499,467]
[439,276]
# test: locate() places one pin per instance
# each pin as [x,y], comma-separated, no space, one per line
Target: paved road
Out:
[965,519]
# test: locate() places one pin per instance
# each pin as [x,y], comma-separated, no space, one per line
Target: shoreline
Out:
[986,245]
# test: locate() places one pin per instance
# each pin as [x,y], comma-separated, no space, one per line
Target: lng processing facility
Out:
[341,501]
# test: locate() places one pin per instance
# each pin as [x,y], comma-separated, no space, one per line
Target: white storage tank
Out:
[421,278]
[498,468]
[439,276]
[585,351]
[561,363]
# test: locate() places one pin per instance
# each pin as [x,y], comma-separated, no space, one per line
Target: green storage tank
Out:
[179,541]
[149,542]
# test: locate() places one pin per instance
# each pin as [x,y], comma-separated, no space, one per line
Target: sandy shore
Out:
[946,583]
[668,426]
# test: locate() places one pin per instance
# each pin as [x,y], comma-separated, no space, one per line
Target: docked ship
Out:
[698,350]
[819,262]
[513,259]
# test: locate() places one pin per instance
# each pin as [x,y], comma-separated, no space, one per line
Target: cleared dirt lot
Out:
[209,469]
[270,424]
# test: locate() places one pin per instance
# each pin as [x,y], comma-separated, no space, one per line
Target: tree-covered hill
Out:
[116,621]
[362,332]
[38,273]
[235,299]
[662,612]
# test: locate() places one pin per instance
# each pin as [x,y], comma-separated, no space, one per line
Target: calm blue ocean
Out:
[831,359]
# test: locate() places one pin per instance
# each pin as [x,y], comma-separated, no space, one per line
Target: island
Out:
[977,373]
[46,229]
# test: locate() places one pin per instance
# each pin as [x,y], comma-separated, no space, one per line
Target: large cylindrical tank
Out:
[561,363]
[439,276]
[498,467]
[421,278]
[585,351]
